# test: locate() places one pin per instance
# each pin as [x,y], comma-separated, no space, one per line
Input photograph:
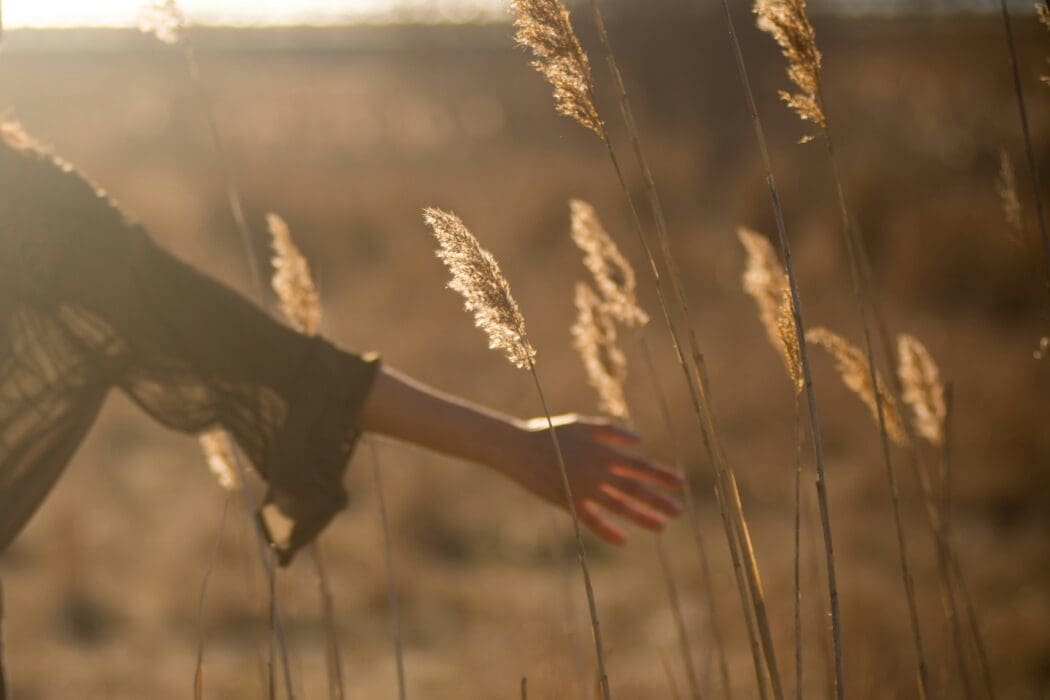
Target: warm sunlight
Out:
[63,13]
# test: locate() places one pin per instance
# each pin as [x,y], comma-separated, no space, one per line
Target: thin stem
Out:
[692,513]
[391,579]
[3,682]
[581,551]
[679,619]
[1033,168]
[267,564]
[524,688]
[697,389]
[798,551]
[333,657]
[860,296]
[796,310]
[672,686]
[198,673]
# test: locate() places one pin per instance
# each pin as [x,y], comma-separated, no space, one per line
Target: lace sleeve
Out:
[90,303]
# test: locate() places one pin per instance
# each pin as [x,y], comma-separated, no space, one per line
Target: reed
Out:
[1006,188]
[388,556]
[1029,148]
[765,281]
[477,277]
[543,26]
[165,20]
[799,76]
[615,278]
[788,23]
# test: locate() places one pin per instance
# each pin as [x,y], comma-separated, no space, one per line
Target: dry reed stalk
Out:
[594,338]
[198,673]
[1029,148]
[613,274]
[788,23]
[695,377]
[300,303]
[855,372]
[692,514]
[477,277]
[1042,10]
[395,613]
[544,32]
[805,78]
[165,20]
[1006,187]
[3,677]
[616,280]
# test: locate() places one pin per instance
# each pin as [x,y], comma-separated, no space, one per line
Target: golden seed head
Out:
[164,20]
[922,388]
[594,337]
[765,281]
[218,451]
[476,276]
[612,273]
[291,279]
[853,367]
[1006,186]
[545,28]
[787,22]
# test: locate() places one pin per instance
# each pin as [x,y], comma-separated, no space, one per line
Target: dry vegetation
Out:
[350,144]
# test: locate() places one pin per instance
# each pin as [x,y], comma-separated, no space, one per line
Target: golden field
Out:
[348,134]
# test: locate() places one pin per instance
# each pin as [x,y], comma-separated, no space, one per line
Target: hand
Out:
[603,476]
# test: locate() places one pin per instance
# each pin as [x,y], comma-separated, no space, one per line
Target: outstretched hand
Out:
[605,475]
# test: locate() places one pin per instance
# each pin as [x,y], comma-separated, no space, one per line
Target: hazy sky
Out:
[19,13]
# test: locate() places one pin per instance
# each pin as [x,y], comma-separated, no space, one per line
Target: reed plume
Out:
[545,28]
[764,280]
[613,274]
[787,22]
[292,281]
[1006,187]
[477,277]
[164,20]
[218,452]
[852,365]
[922,388]
[594,337]
[1043,12]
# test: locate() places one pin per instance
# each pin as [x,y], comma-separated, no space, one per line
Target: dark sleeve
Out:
[192,353]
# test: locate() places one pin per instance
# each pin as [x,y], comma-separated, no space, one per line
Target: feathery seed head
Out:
[218,451]
[765,281]
[1006,186]
[594,337]
[853,367]
[545,28]
[922,388]
[291,279]
[164,20]
[612,272]
[476,276]
[787,22]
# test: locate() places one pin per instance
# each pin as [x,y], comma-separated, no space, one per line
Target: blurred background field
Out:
[348,133]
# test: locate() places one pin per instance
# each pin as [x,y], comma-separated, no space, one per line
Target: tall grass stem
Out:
[384,524]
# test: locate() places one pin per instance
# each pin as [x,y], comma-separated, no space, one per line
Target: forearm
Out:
[405,409]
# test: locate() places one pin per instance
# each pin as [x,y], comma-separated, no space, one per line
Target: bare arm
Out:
[604,476]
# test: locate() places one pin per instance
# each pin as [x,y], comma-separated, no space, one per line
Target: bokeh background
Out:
[348,132]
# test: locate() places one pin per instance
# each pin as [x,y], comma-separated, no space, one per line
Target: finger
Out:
[659,502]
[606,431]
[599,525]
[629,465]
[622,505]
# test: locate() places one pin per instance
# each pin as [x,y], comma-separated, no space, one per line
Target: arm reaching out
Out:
[605,475]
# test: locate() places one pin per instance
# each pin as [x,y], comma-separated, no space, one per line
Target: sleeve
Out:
[191,352]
